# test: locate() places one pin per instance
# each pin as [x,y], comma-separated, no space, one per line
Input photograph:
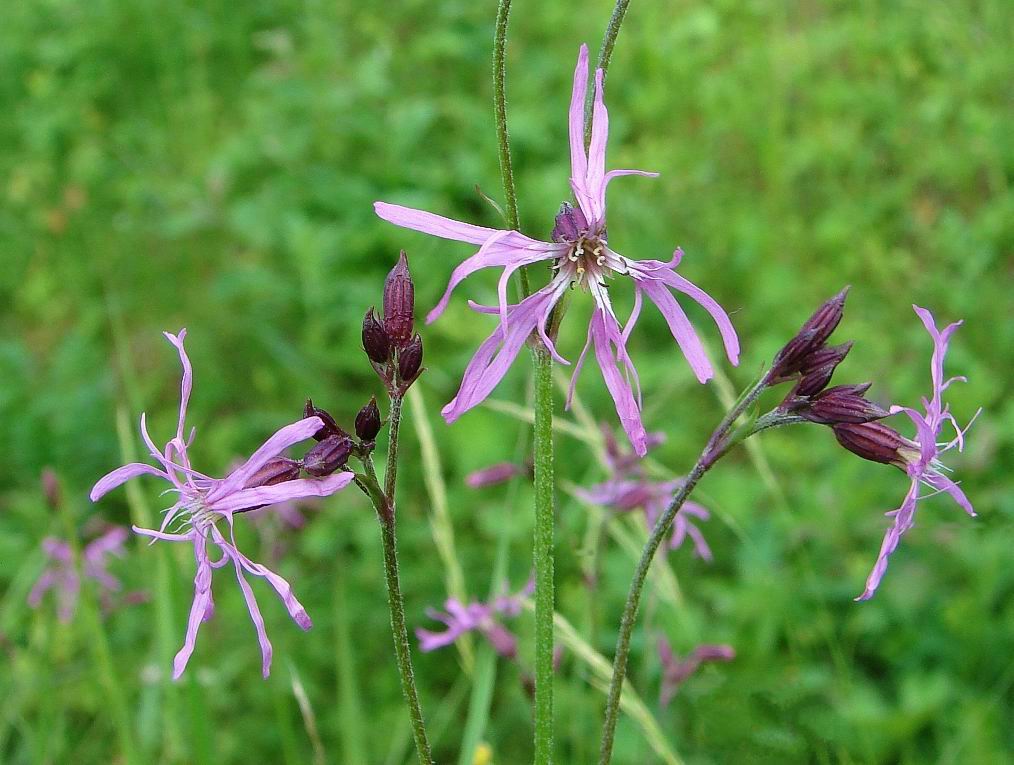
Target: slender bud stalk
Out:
[718,445]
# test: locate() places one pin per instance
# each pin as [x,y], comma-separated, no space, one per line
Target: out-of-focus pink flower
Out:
[501,472]
[920,460]
[203,502]
[61,576]
[579,254]
[675,670]
[628,489]
[460,618]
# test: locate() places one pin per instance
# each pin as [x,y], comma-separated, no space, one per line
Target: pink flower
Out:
[501,472]
[203,502]
[675,670]
[478,617]
[628,489]
[579,254]
[61,576]
[920,460]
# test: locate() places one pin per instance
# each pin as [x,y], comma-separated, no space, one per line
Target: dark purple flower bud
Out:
[399,302]
[376,341]
[842,404]
[810,338]
[570,224]
[410,359]
[824,356]
[331,428]
[875,441]
[274,471]
[368,421]
[819,366]
[327,456]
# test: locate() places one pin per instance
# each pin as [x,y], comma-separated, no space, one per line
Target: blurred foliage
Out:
[213,165]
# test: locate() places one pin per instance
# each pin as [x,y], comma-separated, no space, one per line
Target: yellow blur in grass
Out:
[483,754]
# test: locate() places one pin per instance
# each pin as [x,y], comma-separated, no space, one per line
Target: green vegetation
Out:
[213,164]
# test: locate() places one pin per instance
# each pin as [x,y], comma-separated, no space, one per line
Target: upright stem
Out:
[543,444]
[401,644]
[394,426]
[502,138]
[543,554]
[383,501]
[718,445]
[605,54]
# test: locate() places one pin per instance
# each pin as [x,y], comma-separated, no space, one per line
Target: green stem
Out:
[543,554]
[391,472]
[383,501]
[722,439]
[543,549]
[401,644]
[510,194]
[605,54]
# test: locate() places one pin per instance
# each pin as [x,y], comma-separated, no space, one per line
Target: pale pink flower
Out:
[501,472]
[675,670]
[628,489]
[484,618]
[920,460]
[203,502]
[61,576]
[579,254]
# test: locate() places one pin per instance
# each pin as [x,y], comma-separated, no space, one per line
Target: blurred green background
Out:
[212,165]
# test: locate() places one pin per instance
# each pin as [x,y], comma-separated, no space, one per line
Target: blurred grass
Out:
[213,165]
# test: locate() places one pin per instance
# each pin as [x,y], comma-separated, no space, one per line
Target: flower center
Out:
[192,511]
[586,255]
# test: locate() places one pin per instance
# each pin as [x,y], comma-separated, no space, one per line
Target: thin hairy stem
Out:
[605,55]
[722,439]
[393,430]
[510,194]
[543,446]
[385,513]
[543,554]
[401,644]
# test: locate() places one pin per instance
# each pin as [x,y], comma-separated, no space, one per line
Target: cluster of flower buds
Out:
[331,452]
[810,362]
[395,352]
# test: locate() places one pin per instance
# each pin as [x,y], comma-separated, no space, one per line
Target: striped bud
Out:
[376,341]
[368,421]
[810,338]
[399,302]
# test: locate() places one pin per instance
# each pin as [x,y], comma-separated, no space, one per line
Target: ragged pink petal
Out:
[729,338]
[578,158]
[282,492]
[115,478]
[495,355]
[607,341]
[187,382]
[275,445]
[680,327]
[429,223]
[256,618]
